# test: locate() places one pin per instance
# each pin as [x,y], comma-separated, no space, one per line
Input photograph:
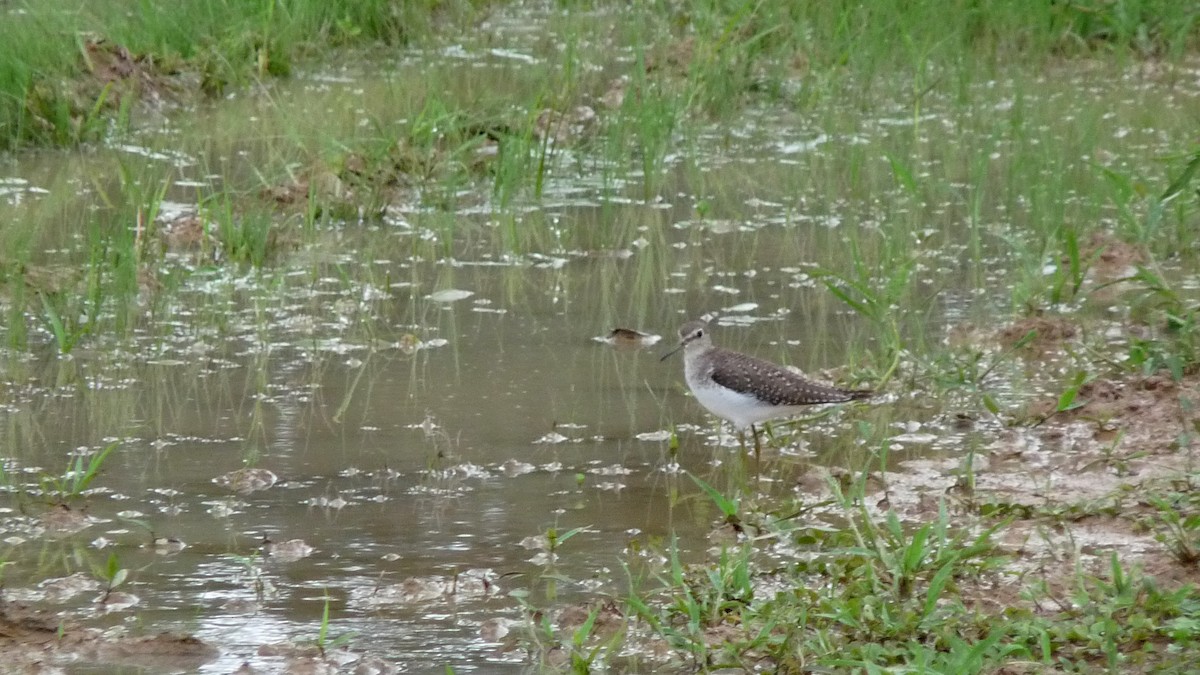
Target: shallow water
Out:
[423,441]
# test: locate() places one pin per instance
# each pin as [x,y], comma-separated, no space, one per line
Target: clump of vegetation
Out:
[67,71]
[877,594]
[82,469]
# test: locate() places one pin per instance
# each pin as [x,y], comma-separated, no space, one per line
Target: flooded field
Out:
[321,376]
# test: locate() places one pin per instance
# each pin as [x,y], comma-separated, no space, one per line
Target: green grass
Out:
[47,96]
[875,595]
[81,470]
[736,49]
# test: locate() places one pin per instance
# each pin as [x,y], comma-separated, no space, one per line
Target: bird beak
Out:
[677,348]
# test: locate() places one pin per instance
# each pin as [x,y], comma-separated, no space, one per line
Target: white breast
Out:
[741,409]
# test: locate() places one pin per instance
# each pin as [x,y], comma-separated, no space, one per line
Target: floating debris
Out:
[411,344]
[168,545]
[742,308]
[117,601]
[494,630]
[713,225]
[328,502]
[247,480]
[513,468]
[473,584]
[64,520]
[611,470]
[610,486]
[914,439]
[288,551]
[189,231]
[449,295]
[797,147]
[223,508]
[629,338]
[655,436]
[561,127]
[551,438]
[55,590]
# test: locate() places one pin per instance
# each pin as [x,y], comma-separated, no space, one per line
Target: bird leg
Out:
[757,455]
[757,446]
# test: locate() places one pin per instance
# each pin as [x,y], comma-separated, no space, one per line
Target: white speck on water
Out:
[449,295]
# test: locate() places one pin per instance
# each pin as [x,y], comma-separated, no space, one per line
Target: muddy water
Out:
[448,462]
[400,470]
[427,420]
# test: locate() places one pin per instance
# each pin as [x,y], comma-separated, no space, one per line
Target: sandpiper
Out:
[747,390]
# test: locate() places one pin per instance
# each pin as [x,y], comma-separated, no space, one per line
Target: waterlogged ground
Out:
[415,423]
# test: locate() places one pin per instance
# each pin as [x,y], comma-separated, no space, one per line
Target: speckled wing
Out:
[776,385]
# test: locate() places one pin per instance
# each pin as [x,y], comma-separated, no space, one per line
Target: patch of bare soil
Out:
[1050,332]
[128,74]
[1110,257]
[1147,413]
[1077,483]
[110,76]
[32,639]
[1077,486]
